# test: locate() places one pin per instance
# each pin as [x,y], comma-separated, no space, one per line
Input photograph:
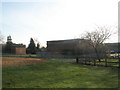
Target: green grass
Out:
[59,73]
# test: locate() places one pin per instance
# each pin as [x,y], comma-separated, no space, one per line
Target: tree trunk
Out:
[97,54]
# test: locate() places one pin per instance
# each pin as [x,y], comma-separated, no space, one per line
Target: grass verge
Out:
[59,73]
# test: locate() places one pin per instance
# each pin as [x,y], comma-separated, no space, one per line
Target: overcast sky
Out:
[47,20]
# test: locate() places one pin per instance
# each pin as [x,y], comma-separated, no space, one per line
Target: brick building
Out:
[18,49]
[12,48]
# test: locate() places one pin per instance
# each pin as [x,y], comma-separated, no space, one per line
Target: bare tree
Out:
[1,38]
[97,39]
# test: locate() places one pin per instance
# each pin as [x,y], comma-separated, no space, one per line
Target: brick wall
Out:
[20,50]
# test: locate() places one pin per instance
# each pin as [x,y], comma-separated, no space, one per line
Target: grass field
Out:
[59,73]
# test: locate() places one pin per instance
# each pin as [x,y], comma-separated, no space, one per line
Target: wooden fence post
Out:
[77,60]
[105,62]
[119,62]
[85,62]
[94,62]
[90,61]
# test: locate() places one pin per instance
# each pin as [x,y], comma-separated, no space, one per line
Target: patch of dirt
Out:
[13,61]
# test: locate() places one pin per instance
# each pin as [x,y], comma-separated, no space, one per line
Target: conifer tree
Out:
[38,46]
[31,47]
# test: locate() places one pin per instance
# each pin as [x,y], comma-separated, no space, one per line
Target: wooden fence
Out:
[107,62]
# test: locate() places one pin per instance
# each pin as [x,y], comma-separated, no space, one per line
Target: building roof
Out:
[18,45]
[65,40]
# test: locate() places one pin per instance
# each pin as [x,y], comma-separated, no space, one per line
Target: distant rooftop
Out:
[18,45]
[64,40]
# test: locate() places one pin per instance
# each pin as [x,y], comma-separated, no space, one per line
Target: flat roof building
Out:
[69,46]
[76,46]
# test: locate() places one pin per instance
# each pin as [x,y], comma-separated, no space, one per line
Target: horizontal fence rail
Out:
[107,62]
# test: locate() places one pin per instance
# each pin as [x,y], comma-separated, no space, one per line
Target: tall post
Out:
[119,62]
[105,62]
[77,59]
[119,54]
[94,62]
[85,61]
